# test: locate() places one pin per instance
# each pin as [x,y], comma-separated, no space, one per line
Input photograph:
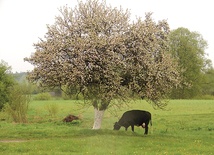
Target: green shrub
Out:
[42,96]
[17,105]
[6,82]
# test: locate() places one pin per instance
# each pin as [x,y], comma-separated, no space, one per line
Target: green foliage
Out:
[185,128]
[6,82]
[17,106]
[208,83]
[188,48]
[42,96]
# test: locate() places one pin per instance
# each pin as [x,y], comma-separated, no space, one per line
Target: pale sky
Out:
[22,22]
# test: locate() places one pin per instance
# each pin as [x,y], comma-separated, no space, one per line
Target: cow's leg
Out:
[146,129]
[126,125]
[132,127]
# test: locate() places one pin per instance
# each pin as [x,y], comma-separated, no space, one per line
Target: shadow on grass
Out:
[101,132]
[77,131]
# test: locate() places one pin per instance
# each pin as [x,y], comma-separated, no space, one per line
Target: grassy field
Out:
[186,127]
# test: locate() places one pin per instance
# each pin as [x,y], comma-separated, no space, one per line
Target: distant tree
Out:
[94,48]
[6,82]
[20,77]
[189,50]
[208,84]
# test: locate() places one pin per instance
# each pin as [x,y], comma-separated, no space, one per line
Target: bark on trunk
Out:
[98,117]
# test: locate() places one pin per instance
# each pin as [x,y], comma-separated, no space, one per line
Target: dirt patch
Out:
[13,141]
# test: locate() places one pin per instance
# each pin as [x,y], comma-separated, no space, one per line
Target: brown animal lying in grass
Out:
[70,118]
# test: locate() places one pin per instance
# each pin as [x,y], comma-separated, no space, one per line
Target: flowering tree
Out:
[94,47]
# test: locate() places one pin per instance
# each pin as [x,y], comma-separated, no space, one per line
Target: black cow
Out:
[134,117]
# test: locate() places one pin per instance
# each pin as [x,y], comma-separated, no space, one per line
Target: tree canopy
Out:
[94,47]
[6,82]
[208,84]
[189,50]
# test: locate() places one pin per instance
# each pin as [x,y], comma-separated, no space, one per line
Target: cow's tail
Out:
[151,125]
[150,122]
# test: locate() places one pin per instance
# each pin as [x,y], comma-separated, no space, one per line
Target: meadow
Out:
[186,127]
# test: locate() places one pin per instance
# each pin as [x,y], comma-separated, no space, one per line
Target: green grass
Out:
[186,127]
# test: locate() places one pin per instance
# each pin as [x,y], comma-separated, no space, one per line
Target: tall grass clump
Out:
[52,109]
[17,106]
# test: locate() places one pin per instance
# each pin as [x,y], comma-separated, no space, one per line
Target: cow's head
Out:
[116,126]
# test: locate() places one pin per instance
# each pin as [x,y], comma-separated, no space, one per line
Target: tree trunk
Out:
[98,117]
